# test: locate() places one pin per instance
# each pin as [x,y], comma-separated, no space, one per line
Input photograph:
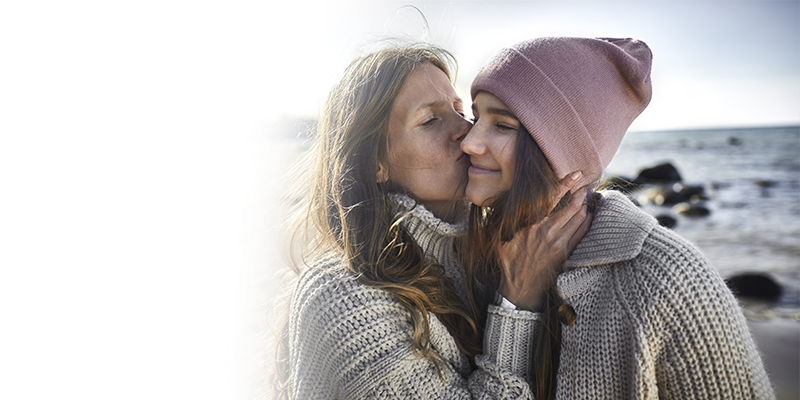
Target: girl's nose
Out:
[471,144]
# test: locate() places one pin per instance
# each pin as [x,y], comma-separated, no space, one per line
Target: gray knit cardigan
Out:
[654,320]
[351,341]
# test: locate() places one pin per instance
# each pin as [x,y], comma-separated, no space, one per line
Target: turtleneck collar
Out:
[435,237]
[425,220]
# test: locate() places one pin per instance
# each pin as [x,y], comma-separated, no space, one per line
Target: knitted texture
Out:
[351,341]
[438,248]
[576,96]
[654,320]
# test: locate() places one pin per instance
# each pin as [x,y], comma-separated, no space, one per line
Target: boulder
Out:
[666,221]
[662,173]
[755,285]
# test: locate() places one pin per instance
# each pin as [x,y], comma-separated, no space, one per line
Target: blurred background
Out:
[144,148]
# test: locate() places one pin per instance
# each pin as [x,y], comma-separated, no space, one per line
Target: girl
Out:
[382,310]
[636,312]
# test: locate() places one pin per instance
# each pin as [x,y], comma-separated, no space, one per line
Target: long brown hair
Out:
[345,211]
[530,199]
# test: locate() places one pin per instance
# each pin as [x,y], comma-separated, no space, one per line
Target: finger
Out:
[566,185]
[563,237]
[575,221]
[560,218]
[580,231]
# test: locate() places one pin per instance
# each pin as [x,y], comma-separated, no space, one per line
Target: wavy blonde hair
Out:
[345,211]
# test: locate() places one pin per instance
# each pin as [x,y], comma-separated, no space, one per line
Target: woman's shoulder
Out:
[327,290]
[327,270]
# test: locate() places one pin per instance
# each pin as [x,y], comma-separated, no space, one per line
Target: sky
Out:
[135,137]
[716,63]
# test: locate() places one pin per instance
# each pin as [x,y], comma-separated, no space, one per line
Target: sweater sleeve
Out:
[353,342]
[708,352]
[507,352]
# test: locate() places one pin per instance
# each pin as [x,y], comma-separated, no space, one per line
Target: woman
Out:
[636,312]
[381,310]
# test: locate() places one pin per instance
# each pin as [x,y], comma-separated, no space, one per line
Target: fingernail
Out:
[576,175]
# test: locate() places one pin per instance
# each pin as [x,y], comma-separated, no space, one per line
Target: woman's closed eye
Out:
[430,121]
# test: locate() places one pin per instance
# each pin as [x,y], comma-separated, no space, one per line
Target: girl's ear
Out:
[383,172]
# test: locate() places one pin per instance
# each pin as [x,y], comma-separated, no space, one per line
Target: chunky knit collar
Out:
[435,237]
[617,234]
[422,216]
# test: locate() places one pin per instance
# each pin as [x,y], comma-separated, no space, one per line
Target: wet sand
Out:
[778,339]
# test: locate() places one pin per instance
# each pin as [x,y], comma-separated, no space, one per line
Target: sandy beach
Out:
[778,338]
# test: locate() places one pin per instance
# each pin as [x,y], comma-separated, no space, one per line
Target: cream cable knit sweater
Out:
[654,320]
[350,341]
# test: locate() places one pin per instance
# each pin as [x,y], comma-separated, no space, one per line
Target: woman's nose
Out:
[461,130]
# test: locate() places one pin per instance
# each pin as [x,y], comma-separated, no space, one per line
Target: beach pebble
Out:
[734,141]
[669,195]
[691,210]
[763,183]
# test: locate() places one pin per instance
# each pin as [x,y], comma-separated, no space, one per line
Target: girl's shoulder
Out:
[630,244]
[617,234]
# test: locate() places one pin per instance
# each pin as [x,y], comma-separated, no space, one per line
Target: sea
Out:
[751,179]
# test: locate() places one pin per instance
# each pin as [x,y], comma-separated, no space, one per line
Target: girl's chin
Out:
[480,199]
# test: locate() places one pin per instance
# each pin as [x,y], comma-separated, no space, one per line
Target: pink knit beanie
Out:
[576,96]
